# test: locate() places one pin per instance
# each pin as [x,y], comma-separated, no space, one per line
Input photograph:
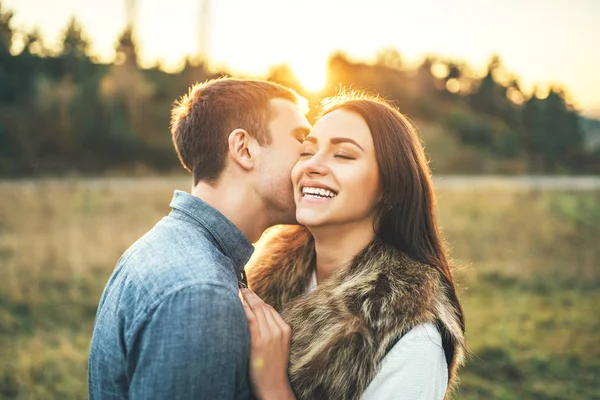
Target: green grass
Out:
[530,277]
[527,265]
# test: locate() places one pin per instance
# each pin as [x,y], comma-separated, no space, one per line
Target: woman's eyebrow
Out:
[336,140]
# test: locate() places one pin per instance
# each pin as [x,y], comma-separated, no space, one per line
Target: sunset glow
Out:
[249,37]
[311,74]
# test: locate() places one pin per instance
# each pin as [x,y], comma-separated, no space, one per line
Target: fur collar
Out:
[342,330]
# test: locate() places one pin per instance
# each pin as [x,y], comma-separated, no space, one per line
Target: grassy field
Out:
[527,263]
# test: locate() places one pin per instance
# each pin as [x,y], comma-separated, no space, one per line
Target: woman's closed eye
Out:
[305,154]
[344,156]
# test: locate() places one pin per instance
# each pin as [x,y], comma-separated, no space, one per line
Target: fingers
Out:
[274,330]
[258,308]
[283,326]
[266,318]
[250,318]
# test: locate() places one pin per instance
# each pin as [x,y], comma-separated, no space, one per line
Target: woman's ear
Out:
[241,148]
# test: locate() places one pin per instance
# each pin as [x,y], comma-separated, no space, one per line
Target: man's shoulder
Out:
[173,255]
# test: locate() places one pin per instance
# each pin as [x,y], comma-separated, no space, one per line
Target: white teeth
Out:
[318,192]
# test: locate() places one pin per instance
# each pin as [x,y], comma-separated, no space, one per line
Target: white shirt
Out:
[414,369]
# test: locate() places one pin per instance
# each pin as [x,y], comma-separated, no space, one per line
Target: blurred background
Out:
[506,96]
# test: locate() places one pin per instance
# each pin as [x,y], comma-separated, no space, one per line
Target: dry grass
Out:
[528,269]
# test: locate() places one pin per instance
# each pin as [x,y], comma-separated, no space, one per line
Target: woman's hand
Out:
[269,348]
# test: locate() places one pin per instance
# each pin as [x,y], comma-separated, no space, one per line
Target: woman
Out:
[364,285]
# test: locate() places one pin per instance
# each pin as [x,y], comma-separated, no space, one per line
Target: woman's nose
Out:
[314,166]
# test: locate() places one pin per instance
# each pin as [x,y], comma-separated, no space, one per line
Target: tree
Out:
[452,76]
[127,49]
[531,115]
[496,99]
[559,131]
[553,130]
[74,43]
[6,32]
[390,58]
[73,57]
[454,71]
[34,43]
[425,78]
[487,96]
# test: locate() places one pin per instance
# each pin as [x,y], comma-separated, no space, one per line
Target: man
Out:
[170,324]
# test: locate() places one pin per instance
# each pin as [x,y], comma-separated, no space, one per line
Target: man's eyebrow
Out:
[336,140]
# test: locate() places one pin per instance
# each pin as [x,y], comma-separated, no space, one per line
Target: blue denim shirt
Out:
[170,324]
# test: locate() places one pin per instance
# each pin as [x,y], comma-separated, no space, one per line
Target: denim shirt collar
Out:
[232,241]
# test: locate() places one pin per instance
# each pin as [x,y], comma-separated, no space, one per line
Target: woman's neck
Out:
[337,245]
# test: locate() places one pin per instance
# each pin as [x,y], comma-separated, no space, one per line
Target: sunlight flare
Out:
[310,73]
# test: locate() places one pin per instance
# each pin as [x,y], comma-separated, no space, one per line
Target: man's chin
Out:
[290,219]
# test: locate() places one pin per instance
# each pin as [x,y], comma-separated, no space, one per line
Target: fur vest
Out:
[342,330]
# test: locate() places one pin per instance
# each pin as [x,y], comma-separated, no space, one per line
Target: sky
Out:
[544,42]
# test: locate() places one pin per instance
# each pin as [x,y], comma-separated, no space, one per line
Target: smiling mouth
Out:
[317,193]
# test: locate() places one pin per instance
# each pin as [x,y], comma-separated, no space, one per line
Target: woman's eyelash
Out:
[305,154]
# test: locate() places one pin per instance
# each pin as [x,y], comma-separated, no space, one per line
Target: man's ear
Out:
[241,148]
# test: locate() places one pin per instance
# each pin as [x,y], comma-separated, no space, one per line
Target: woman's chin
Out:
[310,220]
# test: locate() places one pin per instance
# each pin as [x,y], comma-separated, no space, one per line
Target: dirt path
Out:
[442,181]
